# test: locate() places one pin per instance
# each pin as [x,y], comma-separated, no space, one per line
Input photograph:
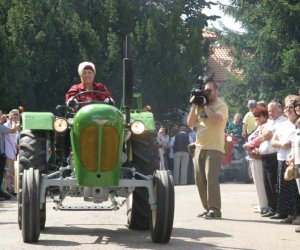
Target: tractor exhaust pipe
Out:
[127,80]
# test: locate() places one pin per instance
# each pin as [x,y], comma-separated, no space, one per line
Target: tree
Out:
[268,52]
[44,41]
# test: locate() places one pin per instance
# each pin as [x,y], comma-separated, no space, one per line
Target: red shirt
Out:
[77,88]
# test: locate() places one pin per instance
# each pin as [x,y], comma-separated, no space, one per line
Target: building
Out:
[220,60]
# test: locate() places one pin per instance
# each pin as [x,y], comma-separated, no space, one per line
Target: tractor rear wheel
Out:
[146,161]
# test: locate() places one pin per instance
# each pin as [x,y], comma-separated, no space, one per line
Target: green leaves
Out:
[268,53]
[49,38]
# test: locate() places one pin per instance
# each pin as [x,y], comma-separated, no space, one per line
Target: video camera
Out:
[201,95]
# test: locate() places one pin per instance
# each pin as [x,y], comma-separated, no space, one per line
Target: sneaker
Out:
[296,221]
[212,215]
[202,214]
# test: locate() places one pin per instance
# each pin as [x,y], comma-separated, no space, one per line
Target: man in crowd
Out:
[249,120]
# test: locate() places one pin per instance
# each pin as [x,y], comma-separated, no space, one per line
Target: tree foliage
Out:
[268,53]
[42,42]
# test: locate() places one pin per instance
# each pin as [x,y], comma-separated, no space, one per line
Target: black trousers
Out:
[270,169]
[288,201]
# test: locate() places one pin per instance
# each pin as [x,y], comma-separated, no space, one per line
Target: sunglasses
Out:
[257,116]
[297,105]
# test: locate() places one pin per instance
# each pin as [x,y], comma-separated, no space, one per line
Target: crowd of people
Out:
[173,150]
[268,133]
[9,147]
[271,139]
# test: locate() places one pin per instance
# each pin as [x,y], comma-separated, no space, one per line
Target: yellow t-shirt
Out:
[249,120]
[210,136]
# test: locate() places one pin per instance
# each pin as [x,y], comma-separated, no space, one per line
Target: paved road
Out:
[240,227]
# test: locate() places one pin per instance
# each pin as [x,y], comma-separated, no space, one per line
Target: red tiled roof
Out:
[220,63]
[209,35]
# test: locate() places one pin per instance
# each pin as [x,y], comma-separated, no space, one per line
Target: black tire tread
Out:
[161,231]
[146,161]
[30,206]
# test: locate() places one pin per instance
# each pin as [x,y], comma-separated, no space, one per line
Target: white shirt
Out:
[11,141]
[296,146]
[271,125]
[285,132]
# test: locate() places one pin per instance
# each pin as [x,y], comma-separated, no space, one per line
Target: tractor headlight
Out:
[137,127]
[60,125]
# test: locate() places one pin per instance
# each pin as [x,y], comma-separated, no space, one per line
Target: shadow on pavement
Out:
[181,238]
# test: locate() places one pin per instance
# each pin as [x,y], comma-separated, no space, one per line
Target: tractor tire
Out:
[161,219]
[31,205]
[32,154]
[146,161]
[32,151]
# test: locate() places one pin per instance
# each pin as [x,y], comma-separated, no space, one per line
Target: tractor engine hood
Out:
[97,140]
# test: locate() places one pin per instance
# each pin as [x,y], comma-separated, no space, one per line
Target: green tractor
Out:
[114,153]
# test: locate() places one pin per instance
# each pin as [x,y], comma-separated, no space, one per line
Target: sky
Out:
[226,20]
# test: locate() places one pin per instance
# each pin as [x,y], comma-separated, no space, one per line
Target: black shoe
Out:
[265,210]
[278,216]
[269,214]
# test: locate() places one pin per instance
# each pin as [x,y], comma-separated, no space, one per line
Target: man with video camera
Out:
[209,113]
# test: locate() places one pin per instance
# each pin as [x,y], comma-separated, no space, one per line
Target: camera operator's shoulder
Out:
[221,108]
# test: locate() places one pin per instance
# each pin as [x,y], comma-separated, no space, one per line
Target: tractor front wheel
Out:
[161,219]
[31,205]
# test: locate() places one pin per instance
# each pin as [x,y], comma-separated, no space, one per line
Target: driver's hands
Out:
[109,101]
[73,103]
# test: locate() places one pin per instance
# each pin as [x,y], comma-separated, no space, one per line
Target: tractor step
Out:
[85,208]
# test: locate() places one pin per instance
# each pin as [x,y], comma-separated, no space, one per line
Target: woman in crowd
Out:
[288,202]
[295,152]
[164,142]
[252,146]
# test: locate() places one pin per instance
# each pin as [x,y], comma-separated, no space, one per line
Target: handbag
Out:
[291,172]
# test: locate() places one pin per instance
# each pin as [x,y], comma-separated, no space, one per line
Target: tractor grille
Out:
[92,144]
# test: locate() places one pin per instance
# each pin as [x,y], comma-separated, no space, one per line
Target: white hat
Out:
[86,65]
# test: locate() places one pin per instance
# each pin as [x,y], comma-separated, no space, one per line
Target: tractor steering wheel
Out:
[73,102]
